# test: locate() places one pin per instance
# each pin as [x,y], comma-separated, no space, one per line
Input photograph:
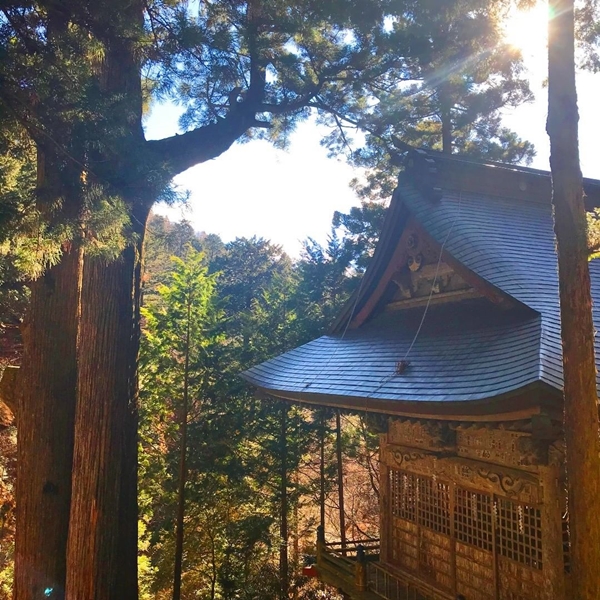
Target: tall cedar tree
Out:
[577,328]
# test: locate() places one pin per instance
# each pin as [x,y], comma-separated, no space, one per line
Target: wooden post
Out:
[340,470]
[360,569]
[552,548]
[322,473]
[384,508]
[320,544]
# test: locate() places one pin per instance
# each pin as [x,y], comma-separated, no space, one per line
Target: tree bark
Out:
[127,572]
[577,329]
[182,463]
[446,118]
[45,431]
[102,547]
[46,413]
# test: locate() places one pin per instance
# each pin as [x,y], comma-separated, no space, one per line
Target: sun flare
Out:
[527,30]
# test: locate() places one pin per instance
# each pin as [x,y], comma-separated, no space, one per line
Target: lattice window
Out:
[520,532]
[473,523]
[420,500]
[429,512]
[434,505]
[403,495]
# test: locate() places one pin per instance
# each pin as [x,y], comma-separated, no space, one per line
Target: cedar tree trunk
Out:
[46,414]
[577,328]
[102,547]
[45,422]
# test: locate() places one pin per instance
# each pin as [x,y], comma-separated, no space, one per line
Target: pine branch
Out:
[180,152]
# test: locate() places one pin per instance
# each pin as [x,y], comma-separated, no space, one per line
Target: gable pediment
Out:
[421,271]
[425,277]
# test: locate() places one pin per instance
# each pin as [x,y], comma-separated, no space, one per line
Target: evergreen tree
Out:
[256,284]
[360,228]
[166,239]
[326,280]
[445,95]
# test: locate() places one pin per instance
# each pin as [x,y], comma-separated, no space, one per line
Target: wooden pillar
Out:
[384,503]
[322,473]
[340,473]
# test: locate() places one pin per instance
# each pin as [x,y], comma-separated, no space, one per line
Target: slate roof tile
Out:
[469,351]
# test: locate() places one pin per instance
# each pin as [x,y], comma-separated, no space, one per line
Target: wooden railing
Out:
[347,562]
[394,586]
[350,549]
[354,566]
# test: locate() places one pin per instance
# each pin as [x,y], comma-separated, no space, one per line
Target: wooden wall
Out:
[475,509]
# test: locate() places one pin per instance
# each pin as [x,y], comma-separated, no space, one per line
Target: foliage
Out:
[17,222]
[587,31]
[256,285]
[234,491]
[326,280]
[7,507]
[360,229]
[445,94]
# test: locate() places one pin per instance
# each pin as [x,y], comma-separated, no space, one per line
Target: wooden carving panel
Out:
[498,446]
[494,479]
[429,435]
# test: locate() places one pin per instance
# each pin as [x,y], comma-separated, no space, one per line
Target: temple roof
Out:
[487,342]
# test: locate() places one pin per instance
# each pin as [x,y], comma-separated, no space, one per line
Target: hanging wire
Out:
[437,270]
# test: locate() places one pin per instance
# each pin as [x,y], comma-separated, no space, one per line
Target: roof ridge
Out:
[434,171]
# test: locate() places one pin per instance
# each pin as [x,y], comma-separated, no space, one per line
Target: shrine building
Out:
[453,336]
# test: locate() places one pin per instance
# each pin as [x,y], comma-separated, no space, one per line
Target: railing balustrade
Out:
[392,586]
[356,563]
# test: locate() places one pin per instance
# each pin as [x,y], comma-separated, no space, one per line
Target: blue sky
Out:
[287,196]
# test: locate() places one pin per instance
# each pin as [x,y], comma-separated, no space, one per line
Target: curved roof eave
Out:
[517,404]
